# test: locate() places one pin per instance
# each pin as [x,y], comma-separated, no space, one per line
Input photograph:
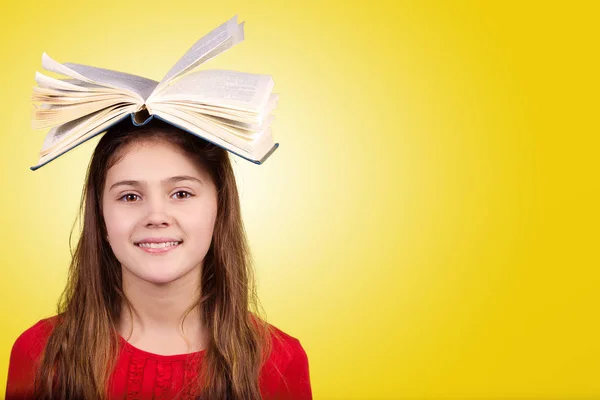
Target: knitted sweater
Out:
[143,375]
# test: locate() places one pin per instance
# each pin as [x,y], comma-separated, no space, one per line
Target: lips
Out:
[158,240]
[158,248]
[160,245]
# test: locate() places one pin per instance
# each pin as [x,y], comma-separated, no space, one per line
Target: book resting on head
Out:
[227,108]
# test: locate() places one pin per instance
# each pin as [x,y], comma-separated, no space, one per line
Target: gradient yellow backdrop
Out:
[429,226]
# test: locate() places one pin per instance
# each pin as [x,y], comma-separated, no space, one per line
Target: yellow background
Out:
[429,226]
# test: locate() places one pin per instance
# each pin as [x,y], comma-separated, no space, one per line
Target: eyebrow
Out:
[173,179]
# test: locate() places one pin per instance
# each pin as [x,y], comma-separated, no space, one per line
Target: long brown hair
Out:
[82,350]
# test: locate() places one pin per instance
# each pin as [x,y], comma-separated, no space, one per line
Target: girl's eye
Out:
[132,197]
[182,194]
[129,197]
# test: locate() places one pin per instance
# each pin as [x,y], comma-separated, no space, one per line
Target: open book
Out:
[230,109]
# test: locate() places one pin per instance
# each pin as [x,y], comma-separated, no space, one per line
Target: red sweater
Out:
[143,375]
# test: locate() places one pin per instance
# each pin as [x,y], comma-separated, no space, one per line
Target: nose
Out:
[158,214]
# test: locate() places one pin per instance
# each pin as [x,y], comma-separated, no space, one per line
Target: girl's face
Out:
[159,210]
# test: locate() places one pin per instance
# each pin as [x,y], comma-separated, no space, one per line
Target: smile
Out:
[158,248]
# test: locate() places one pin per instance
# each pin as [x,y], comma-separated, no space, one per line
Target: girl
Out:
[160,293]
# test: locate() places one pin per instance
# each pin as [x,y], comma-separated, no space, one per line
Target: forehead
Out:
[154,160]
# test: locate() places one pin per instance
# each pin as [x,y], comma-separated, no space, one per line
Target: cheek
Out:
[200,227]
[198,222]
[118,223]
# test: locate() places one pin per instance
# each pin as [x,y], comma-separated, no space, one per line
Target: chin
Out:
[162,275]
[160,279]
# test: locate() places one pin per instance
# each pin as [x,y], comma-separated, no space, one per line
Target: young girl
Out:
[160,293]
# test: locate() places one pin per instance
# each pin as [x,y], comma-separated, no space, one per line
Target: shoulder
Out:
[32,341]
[286,349]
[25,357]
[286,373]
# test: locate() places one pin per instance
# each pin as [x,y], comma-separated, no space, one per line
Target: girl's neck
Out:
[164,319]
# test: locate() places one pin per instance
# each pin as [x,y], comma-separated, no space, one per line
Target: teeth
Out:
[158,245]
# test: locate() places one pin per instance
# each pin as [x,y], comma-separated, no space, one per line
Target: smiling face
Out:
[156,193]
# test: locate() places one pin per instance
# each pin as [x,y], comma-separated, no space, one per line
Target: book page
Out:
[220,117]
[139,86]
[255,148]
[48,96]
[240,116]
[122,80]
[73,85]
[272,103]
[78,138]
[61,136]
[225,133]
[49,64]
[52,115]
[185,124]
[49,93]
[231,89]
[219,126]
[215,42]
